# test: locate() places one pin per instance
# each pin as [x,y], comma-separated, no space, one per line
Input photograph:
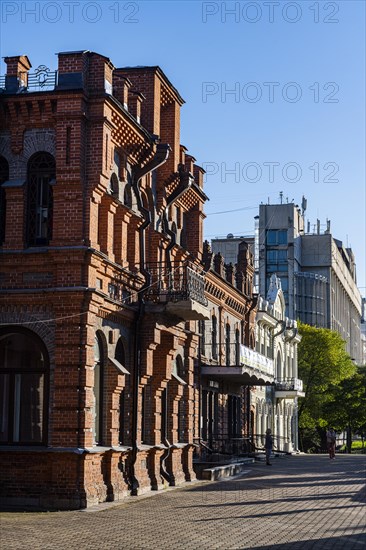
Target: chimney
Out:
[208,256]
[16,72]
[230,273]
[100,74]
[73,70]
[219,265]
[135,100]
[198,175]
[239,281]
[189,163]
[318,227]
[183,151]
[121,86]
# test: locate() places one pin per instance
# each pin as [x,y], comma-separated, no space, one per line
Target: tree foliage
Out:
[347,408]
[323,365]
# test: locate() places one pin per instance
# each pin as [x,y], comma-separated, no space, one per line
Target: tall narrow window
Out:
[41,176]
[4,176]
[127,196]
[214,337]
[234,415]
[122,417]
[121,358]
[164,418]
[237,347]
[143,415]
[181,420]
[24,370]
[210,415]
[216,414]
[202,329]
[98,390]
[204,415]
[227,345]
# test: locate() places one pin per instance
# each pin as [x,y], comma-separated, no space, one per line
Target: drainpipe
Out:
[83,330]
[160,158]
[187,180]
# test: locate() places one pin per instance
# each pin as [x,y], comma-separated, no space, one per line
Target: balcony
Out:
[178,289]
[254,369]
[288,388]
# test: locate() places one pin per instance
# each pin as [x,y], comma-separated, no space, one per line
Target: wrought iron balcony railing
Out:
[176,283]
[288,384]
[40,80]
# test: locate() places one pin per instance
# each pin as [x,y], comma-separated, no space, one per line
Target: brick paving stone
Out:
[301,502]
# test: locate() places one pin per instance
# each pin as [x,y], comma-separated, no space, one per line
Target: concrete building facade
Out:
[277,339]
[317,272]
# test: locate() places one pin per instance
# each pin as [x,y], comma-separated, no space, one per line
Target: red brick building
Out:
[106,288]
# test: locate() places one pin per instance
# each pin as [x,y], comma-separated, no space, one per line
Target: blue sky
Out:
[294,122]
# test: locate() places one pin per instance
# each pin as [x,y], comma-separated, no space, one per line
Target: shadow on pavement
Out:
[344,542]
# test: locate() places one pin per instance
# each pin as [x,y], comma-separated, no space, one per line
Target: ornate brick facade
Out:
[104,281]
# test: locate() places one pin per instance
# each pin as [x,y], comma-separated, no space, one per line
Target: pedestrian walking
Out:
[268,446]
[331,443]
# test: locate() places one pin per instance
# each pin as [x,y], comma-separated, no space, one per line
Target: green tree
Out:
[347,408]
[323,364]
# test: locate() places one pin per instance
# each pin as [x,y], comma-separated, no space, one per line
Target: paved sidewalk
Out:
[300,502]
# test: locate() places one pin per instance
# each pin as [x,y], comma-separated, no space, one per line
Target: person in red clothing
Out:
[331,443]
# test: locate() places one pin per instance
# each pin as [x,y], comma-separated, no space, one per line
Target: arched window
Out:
[121,358]
[41,177]
[4,176]
[214,337]
[98,391]
[279,366]
[24,375]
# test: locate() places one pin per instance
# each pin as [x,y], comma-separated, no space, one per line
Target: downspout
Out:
[160,158]
[187,181]
[177,194]
[85,305]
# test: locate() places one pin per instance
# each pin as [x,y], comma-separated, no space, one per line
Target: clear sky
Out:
[293,122]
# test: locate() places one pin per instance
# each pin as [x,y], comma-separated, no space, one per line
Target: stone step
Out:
[226,470]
